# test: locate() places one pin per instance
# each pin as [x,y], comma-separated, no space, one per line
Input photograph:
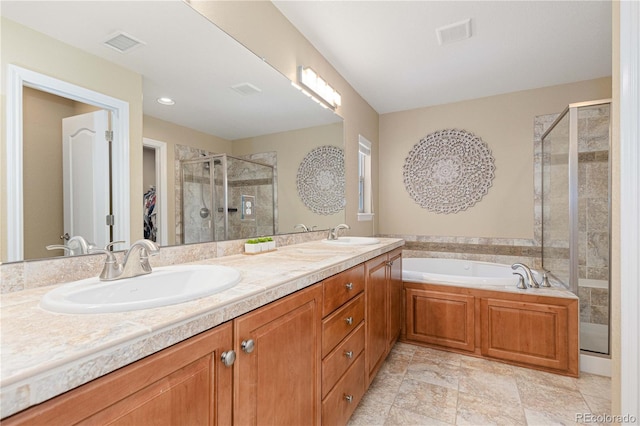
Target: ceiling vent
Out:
[246,89]
[123,42]
[454,32]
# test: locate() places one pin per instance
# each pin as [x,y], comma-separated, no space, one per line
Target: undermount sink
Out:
[164,286]
[353,241]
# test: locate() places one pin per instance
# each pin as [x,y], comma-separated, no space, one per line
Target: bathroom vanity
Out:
[297,341]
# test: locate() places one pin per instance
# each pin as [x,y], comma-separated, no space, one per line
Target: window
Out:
[364,179]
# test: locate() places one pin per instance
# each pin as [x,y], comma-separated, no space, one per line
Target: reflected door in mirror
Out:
[86,176]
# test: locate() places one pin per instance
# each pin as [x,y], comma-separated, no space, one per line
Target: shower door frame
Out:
[572,110]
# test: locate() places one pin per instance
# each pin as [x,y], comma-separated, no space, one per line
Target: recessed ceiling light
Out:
[166,101]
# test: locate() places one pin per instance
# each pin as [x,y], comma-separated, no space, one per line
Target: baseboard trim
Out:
[595,365]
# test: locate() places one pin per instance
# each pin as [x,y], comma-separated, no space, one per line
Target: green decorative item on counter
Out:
[259,245]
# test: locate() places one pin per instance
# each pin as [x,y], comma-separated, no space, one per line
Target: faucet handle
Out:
[545,280]
[521,285]
[58,247]
[110,256]
[113,243]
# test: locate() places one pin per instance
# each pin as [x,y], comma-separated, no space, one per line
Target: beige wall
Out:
[291,148]
[29,49]
[505,124]
[285,48]
[172,135]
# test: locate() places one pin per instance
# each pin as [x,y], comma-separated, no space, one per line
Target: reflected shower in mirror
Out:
[227,101]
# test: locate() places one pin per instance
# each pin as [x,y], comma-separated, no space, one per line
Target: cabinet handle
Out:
[247,345]
[348,398]
[228,358]
[349,286]
[390,263]
[349,320]
[348,354]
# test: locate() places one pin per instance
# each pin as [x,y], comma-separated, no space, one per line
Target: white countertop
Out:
[44,354]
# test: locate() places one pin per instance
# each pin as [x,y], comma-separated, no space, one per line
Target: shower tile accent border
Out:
[495,250]
[18,276]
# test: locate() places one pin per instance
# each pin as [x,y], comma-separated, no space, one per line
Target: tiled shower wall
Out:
[593,213]
[256,180]
[244,179]
[593,192]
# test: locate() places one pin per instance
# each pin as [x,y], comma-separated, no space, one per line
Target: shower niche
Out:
[225,198]
[576,210]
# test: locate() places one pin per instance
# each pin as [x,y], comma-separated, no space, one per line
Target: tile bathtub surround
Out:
[422,386]
[39,362]
[497,250]
[26,275]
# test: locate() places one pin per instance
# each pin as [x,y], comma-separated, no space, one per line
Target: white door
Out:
[86,176]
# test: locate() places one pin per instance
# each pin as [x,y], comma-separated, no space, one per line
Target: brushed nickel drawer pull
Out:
[228,358]
[247,345]
[348,354]
[349,320]
[349,398]
[349,286]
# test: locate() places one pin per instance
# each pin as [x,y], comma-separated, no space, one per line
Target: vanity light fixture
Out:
[166,101]
[319,89]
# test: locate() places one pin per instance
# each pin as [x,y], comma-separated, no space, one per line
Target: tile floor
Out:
[421,386]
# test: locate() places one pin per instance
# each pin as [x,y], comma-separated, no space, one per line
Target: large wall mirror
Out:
[220,163]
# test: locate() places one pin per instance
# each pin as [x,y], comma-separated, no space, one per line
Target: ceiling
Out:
[185,57]
[389,53]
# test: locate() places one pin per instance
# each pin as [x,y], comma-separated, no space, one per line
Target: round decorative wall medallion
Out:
[448,171]
[320,180]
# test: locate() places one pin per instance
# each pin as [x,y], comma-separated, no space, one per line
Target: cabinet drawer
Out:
[338,406]
[342,287]
[341,358]
[342,322]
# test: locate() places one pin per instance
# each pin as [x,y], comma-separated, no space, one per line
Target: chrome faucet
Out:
[79,245]
[531,281]
[333,232]
[136,261]
[74,246]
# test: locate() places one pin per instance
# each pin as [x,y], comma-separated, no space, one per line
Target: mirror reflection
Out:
[235,117]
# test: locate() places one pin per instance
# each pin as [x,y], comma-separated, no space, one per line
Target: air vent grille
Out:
[454,32]
[246,89]
[123,42]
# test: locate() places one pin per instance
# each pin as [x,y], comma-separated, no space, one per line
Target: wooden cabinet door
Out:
[377,309]
[278,380]
[184,384]
[531,333]
[396,300]
[439,318]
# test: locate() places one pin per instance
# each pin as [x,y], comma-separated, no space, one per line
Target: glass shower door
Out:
[576,213]
[197,201]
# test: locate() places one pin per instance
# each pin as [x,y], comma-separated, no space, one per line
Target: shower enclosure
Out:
[576,213]
[226,198]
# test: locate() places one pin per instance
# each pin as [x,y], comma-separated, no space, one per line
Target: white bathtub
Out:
[459,272]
